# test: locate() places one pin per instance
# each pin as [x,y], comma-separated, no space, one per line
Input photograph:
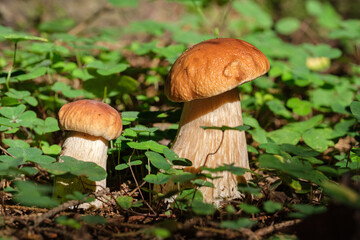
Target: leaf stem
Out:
[11,68]
[105,93]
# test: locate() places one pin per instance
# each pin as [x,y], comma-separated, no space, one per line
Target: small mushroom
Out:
[206,77]
[91,124]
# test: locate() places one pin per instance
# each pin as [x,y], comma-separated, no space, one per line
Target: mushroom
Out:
[206,77]
[91,124]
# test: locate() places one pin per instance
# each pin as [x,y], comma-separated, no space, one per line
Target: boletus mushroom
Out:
[206,77]
[91,124]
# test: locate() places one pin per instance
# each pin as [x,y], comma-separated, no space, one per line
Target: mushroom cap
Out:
[91,117]
[213,67]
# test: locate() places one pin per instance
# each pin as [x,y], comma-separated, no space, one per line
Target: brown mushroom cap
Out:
[91,117]
[213,67]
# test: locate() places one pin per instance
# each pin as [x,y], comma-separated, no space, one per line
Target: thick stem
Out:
[194,143]
[86,148]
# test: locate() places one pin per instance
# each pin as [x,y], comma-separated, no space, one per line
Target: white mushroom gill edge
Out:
[87,148]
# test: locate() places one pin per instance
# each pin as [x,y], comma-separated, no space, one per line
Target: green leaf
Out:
[8,101]
[202,183]
[342,95]
[31,100]
[249,209]
[147,145]
[304,125]
[158,161]
[172,51]
[355,109]
[318,139]
[322,50]
[13,93]
[159,178]
[349,29]
[10,161]
[306,210]
[124,3]
[271,207]
[27,119]
[29,171]
[129,116]
[292,166]
[287,25]
[25,153]
[231,168]
[314,8]
[142,48]
[13,112]
[77,168]
[112,69]
[237,224]
[147,26]
[183,177]
[299,150]
[127,84]
[278,108]
[256,16]
[106,69]
[251,190]
[16,143]
[66,90]
[83,74]
[38,72]
[49,125]
[174,158]
[143,129]
[170,154]
[57,25]
[75,195]
[125,201]
[42,159]
[70,222]
[300,107]
[200,208]
[17,37]
[30,194]
[123,166]
[51,150]
[285,135]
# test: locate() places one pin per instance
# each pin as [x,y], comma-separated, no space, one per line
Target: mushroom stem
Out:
[85,147]
[214,146]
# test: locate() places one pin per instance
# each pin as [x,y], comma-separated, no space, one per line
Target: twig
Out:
[65,206]
[214,230]
[6,152]
[25,208]
[137,184]
[265,231]
[133,191]
[128,234]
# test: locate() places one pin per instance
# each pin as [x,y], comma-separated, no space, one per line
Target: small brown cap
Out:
[91,117]
[213,67]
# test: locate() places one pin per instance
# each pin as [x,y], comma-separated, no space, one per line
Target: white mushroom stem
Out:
[85,147]
[196,144]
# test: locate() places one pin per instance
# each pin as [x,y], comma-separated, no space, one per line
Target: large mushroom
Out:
[206,77]
[91,124]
